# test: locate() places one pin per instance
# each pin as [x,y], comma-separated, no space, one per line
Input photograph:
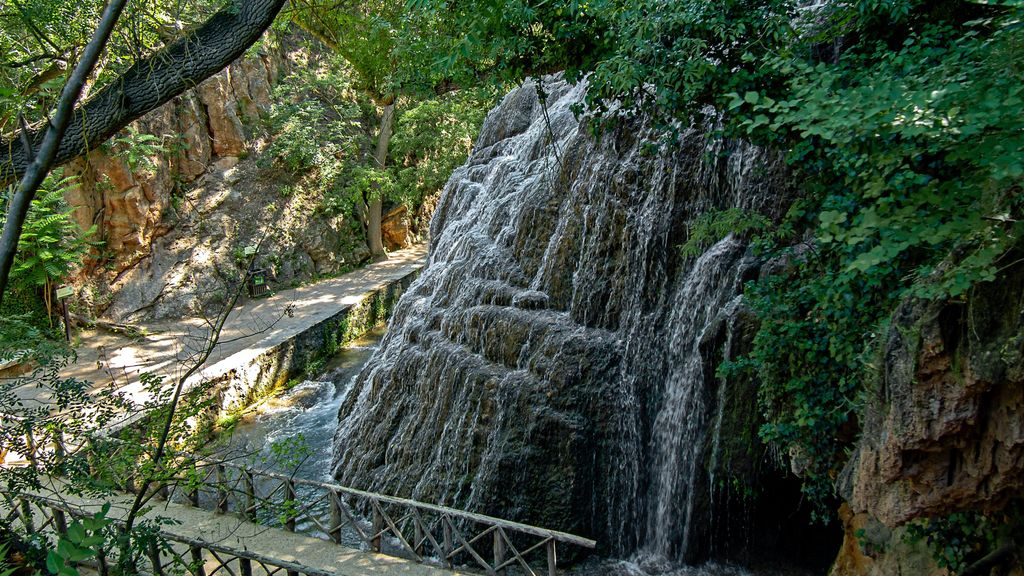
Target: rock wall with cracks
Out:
[178,196]
[129,201]
[942,431]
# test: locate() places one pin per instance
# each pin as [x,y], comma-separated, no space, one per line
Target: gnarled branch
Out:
[149,83]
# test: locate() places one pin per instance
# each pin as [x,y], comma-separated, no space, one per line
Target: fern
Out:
[712,226]
[51,245]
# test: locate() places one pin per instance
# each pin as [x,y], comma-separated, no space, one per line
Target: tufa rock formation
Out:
[943,431]
[555,362]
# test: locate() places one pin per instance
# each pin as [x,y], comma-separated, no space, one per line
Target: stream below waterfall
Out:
[291,433]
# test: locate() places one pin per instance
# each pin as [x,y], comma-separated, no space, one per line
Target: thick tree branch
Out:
[151,82]
[40,159]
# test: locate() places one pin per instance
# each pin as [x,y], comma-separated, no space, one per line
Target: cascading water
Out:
[554,363]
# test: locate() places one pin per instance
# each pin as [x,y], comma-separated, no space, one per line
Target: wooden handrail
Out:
[241,489]
[57,506]
[462,514]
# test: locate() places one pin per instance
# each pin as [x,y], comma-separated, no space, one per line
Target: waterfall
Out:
[554,363]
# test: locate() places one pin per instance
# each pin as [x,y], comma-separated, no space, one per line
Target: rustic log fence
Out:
[37,514]
[343,515]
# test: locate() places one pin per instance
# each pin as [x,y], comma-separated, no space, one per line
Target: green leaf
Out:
[76,532]
[53,562]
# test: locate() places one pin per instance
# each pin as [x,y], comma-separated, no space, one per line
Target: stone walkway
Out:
[166,348]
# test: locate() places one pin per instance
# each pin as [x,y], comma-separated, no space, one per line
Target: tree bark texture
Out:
[40,158]
[374,235]
[149,83]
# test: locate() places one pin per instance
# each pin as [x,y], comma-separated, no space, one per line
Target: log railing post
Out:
[26,516]
[245,566]
[552,558]
[499,551]
[222,491]
[334,528]
[378,526]
[198,566]
[193,493]
[30,448]
[101,559]
[153,551]
[60,522]
[90,457]
[418,536]
[446,528]
[58,445]
[290,505]
[250,495]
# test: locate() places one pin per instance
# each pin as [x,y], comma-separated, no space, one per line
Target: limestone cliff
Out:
[944,430]
[127,193]
[179,195]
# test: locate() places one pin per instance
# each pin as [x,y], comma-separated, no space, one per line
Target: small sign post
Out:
[63,293]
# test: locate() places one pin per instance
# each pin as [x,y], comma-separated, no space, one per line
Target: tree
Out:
[148,83]
[366,34]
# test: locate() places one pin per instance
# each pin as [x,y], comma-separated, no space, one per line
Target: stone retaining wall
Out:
[241,379]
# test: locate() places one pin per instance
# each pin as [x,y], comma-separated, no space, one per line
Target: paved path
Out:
[231,531]
[105,358]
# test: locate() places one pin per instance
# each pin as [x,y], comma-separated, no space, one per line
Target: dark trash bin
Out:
[258,283]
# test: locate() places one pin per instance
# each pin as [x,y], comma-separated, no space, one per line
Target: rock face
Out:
[554,363]
[178,197]
[943,432]
[126,190]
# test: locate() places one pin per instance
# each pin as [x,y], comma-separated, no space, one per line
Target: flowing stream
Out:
[291,433]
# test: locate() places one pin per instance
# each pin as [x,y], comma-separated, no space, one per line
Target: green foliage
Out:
[137,149]
[712,226]
[810,354]
[432,139]
[81,542]
[505,40]
[6,568]
[51,243]
[316,122]
[317,126]
[911,162]
[924,145]
[319,105]
[50,248]
[369,182]
[901,123]
[41,40]
[962,538]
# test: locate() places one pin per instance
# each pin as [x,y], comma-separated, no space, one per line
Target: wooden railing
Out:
[344,515]
[381,523]
[36,514]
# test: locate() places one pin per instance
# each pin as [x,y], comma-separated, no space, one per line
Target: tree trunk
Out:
[39,158]
[149,83]
[374,236]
